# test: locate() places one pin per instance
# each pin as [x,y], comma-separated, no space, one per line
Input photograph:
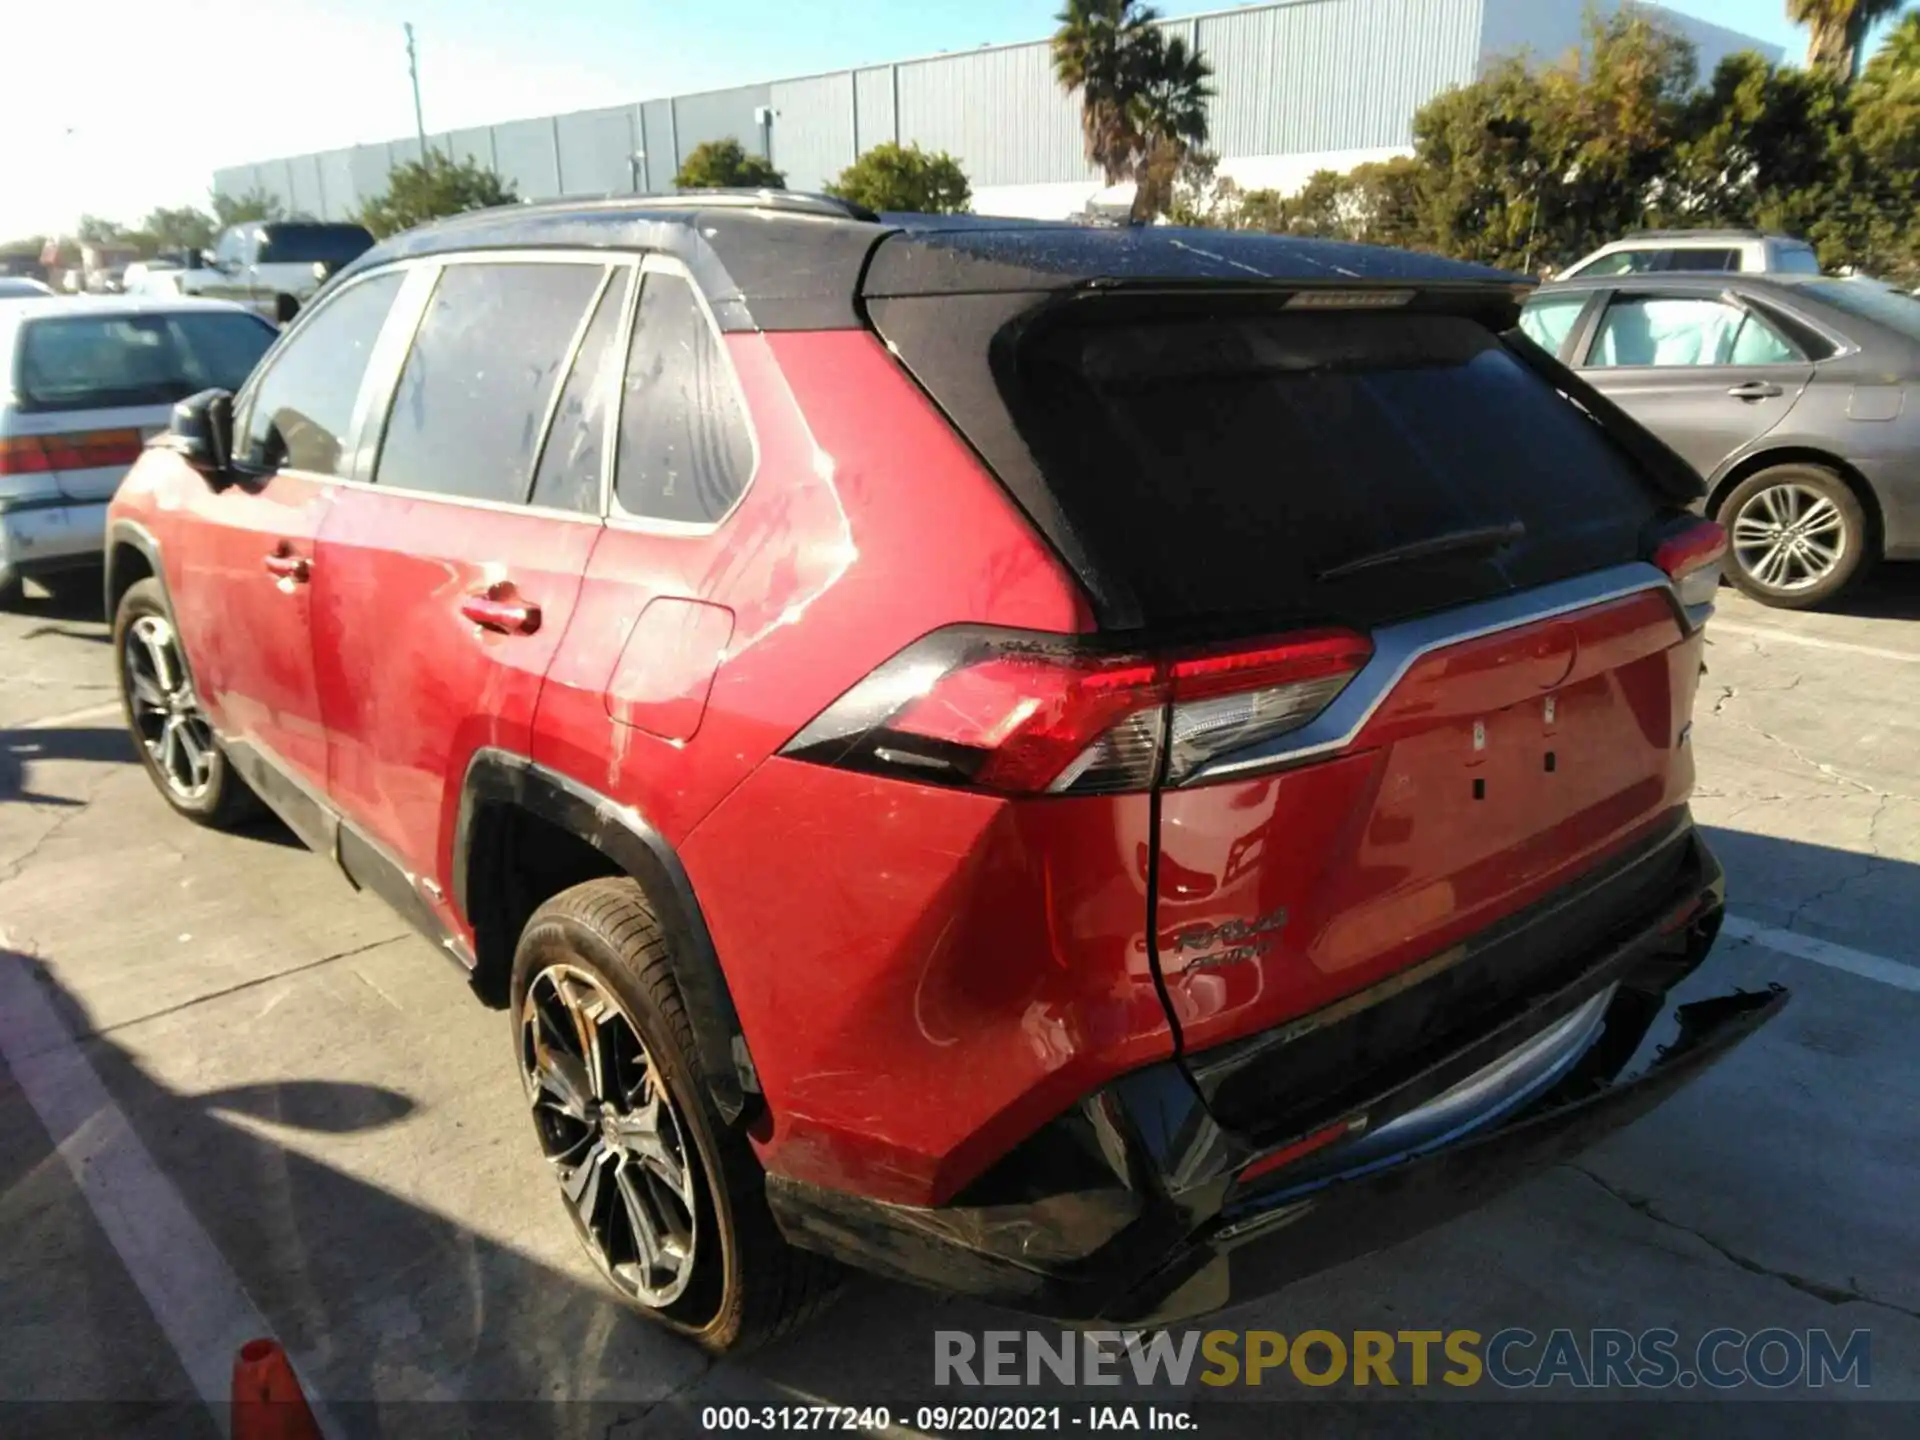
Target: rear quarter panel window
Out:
[474,392]
[570,464]
[686,451]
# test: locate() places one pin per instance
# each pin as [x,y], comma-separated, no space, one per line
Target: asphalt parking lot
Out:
[238,1098]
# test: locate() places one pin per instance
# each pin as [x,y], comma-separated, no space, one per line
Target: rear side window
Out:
[94,362]
[1621,262]
[1796,260]
[686,452]
[302,409]
[569,473]
[475,389]
[1241,466]
[1679,331]
[1711,260]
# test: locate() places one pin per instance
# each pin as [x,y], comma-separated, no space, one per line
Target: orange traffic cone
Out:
[267,1403]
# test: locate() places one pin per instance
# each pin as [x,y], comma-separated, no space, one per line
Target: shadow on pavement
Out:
[20,749]
[1892,592]
[70,597]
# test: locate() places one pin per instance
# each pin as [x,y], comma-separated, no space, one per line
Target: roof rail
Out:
[793,202]
[1710,232]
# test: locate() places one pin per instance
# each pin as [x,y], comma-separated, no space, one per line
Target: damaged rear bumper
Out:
[1138,1208]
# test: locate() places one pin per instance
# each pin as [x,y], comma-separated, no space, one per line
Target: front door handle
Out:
[1756,390]
[288,567]
[502,609]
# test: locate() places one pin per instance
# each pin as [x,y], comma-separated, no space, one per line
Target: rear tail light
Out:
[1692,559]
[86,450]
[1031,714]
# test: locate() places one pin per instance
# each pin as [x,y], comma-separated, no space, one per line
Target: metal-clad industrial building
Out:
[1301,85]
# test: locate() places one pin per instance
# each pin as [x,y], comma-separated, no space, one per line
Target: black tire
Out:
[285,307]
[12,594]
[1761,501]
[749,1287]
[224,802]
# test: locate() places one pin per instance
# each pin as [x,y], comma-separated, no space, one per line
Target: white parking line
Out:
[1824,952]
[1814,642]
[193,1293]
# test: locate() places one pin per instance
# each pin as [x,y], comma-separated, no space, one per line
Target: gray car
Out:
[1796,397]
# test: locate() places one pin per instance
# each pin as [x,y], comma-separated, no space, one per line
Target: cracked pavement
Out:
[341,1117]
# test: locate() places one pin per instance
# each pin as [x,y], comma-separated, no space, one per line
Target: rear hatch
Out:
[89,390]
[1465,687]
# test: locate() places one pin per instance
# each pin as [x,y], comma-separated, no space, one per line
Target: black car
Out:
[1796,397]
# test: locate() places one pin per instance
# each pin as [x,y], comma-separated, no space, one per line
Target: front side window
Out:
[1681,331]
[300,413]
[475,390]
[1621,262]
[1549,319]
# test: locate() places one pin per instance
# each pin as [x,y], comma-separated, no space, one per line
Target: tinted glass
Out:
[1549,319]
[302,409]
[474,392]
[1703,260]
[303,244]
[685,450]
[569,473]
[17,287]
[1621,262]
[1796,260]
[1223,465]
[1681,331]
[90,362]
[1871,300]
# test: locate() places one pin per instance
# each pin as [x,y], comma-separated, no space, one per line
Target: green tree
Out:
[726,165]
[905,177]
[184,228]
[93,230]
[1172,120]
[1755,146]
[1878,224]
[422,190]
[1836,30]
[255,204]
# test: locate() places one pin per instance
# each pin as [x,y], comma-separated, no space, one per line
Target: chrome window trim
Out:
[1396,649]
[620,518]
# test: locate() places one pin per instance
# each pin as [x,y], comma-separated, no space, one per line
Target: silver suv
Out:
[274,267]
[1666,251]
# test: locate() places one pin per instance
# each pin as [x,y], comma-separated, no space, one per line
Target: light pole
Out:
[413,71]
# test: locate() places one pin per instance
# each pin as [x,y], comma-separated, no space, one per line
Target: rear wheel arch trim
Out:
[623,835]
[1748,466]
[131,535]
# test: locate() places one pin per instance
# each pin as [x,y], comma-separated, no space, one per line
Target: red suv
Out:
[1098,769]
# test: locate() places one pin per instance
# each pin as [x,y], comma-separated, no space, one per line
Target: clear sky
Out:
[116,106]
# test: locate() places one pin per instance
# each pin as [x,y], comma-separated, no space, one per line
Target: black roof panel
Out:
[797,262]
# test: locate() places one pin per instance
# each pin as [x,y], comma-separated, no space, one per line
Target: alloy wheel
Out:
[611,1132]
[166,713]
[1789,537]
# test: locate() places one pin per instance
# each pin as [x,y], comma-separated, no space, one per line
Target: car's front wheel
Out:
[1799,536]
[667,1198]
[174,739]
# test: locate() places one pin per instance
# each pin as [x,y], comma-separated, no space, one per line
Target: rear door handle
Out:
[283,564]
[1756,390]
[501,609]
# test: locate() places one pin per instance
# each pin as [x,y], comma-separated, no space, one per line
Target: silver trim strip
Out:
[1397,647]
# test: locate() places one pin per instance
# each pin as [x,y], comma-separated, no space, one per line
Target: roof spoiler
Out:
[1672,475]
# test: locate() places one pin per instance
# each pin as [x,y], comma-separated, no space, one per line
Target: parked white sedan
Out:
[84,383]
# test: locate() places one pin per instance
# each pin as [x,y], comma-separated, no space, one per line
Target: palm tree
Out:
[1837,29]
[1097,51]
[1171,116]
[1143,97]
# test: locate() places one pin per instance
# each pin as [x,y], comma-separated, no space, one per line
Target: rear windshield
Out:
[1225,464]
[93,362]
[303,244]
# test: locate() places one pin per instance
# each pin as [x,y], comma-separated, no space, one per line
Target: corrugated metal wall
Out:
[812,128]
[1298,77]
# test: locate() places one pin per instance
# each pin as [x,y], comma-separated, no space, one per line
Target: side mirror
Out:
[201,433]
